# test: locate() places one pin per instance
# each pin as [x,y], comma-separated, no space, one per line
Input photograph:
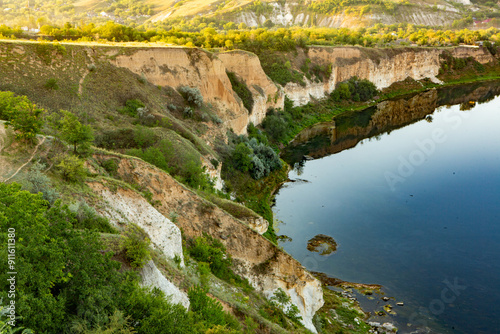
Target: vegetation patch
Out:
[242,90]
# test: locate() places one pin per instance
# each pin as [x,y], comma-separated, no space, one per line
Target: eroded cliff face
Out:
[175,67]
[265,266]
[383,67]
[295,13]
[152,277]
[127,206]
[266,94]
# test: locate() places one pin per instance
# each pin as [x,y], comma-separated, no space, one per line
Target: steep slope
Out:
[265,265]
[266,94]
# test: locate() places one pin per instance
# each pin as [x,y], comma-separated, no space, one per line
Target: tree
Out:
[60,271]
[242,157]
[23,116]
[74,132]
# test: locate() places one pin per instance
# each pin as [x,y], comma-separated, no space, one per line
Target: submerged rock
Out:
[323,244]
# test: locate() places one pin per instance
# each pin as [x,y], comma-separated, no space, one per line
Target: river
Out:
[410,191]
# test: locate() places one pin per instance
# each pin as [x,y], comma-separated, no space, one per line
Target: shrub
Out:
[143,136]
[241,89]
[87,218]
[354,89]
[37,182]
[192,95]
[242,157]
[72,168]
[136,247]
[187,112]
[110,165]
[209,311]
[152,155]
[131,107]
[51,84]
[275,126]
[212,251]
[283,301]
[142,79]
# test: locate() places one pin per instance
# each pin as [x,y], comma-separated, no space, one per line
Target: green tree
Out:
[75,133]
[24,117]
[242,157]
[60,271]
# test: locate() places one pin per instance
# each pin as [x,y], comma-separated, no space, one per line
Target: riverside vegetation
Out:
[77,271]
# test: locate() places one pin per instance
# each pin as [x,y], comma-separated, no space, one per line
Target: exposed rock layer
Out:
[265,266]
[127,206]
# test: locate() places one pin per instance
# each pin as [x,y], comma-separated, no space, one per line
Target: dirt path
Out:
[29,160]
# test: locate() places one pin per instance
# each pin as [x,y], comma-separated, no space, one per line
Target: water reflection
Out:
[348,129]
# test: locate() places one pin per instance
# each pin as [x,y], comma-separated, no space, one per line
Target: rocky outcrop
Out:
[296,13]
[127,206]
[266,94]
[191,67]
[153,278]
[265,265]
[383,67]
[259,224]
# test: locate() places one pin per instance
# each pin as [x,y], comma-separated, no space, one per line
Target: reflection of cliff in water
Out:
[348,129]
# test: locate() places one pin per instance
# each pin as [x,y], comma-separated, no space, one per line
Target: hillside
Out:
[326,13]
[136,140]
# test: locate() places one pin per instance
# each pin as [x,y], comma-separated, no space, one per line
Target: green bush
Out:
[354,89]
[275,126]
[242,157]
[144,136]
[87,218]
[208,312]
[51,84]
[136,247]
[110,165]
[131,107]
[210,250]
[152,155]
[282,73]
[72,169]
[75,133]
[187,112]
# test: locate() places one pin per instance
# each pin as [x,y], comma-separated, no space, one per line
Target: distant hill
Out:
[253,13]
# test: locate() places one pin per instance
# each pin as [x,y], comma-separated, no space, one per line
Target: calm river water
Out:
[410,190]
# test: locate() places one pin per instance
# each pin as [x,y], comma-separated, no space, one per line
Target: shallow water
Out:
[410,190]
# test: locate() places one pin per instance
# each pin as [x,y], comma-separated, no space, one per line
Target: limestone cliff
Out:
[265,265]
[175,67]
[127,206]
[383,67]
[265,93]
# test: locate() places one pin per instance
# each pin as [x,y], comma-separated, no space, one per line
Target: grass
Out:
[337,315]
